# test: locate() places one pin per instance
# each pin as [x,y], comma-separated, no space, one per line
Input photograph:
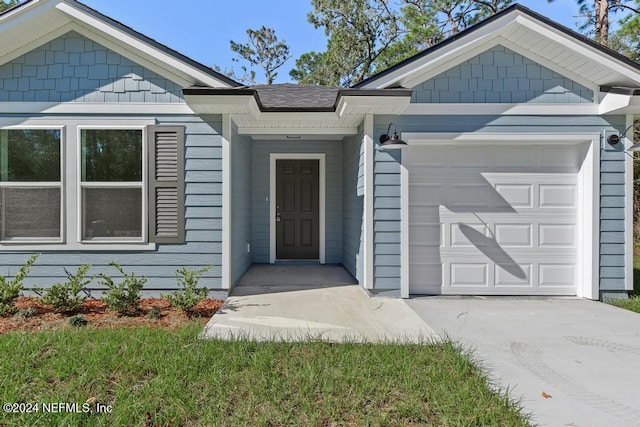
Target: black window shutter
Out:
[166,184]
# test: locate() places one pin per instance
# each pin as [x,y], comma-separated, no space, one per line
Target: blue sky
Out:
[201,29]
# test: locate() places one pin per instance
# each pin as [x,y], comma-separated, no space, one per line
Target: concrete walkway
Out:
[296,303]
[584,354]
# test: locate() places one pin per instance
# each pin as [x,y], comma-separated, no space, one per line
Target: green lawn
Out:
[179,380]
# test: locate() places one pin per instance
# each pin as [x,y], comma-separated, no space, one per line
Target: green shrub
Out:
[65,297]
[11,289]
[189,293]
[123,297]
[78,321]
[154,313]
[27,312]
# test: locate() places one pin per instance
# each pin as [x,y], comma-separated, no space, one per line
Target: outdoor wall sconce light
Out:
[392,142]
[615,139]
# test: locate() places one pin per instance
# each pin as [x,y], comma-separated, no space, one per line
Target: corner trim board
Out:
[368,225]
[628,208]
[226,202]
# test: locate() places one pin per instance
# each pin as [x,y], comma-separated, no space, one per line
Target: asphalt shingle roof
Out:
[293,96]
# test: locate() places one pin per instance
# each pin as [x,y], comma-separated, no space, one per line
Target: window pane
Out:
[112,213]
[30,212]
[31,155]
[111,155]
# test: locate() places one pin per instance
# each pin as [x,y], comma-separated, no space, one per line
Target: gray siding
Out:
[353,207]
[203,246]
[387,185]
[241,205]
[73,68]
[260,195]
[501,75]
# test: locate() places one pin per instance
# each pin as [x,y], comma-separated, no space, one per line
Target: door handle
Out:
[277,216]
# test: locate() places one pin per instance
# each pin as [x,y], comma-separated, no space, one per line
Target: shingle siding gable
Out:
[72,68]
[501,75]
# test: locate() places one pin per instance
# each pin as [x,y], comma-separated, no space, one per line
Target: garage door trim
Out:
[588,251]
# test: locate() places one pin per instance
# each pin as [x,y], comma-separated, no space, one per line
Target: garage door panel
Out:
[516,195]
[557,235]
[469,274]
[556,275]
[501,221]
[514,235]
[467,235]
[557,196]
[516,275]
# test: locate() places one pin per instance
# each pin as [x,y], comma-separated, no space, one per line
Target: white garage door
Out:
[493,220]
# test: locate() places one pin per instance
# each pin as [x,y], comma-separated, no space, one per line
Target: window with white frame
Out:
[30,185]
[112,179]
[77,185]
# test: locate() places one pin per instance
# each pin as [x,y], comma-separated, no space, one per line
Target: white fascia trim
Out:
[617,103]
[612,102]
[154,55]
[501,109]
[223,104]
[94,108]
[25,14]
[628,207]
[26,48]
[226,201]
[344,131]
[579,47]
[443,54]
[321,157]
[371,104]
[588,271]
[368,224]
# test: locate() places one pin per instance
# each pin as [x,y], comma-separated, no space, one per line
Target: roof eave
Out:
[378,80]
[365,96]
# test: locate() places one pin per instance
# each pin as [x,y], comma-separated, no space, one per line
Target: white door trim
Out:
[588,254]
[272,198]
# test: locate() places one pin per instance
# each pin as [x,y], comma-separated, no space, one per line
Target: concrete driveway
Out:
[584,354]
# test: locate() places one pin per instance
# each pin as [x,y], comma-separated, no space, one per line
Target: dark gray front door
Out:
[297,209]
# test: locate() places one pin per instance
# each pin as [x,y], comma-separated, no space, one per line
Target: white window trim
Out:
[142,184]
[60,184]
[272,199]
[69,182]
[588,245]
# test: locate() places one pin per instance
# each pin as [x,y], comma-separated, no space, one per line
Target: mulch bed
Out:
[96,313]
